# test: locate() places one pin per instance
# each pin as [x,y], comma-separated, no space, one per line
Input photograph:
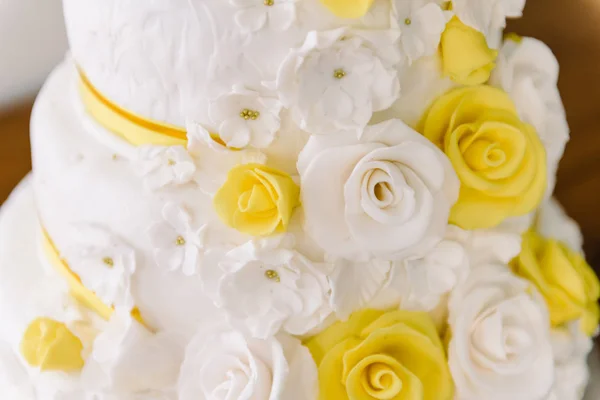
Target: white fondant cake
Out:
[295,200]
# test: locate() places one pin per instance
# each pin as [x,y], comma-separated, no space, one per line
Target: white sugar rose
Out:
[384,195]
[571,348]
[528,71]
[265,286]
[500,338]
[223,364]
[338,78]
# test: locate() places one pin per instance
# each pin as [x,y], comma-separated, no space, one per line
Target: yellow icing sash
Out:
[133,128]
[82,294]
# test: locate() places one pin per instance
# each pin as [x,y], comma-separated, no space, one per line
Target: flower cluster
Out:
[396,259]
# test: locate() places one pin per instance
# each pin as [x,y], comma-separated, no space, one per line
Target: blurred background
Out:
[33,40]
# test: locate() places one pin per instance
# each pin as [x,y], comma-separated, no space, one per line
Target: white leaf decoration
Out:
[353,285]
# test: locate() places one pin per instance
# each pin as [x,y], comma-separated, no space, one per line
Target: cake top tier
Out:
[167,59]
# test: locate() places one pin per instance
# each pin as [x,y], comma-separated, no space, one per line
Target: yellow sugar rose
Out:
[563,277]
[466,57]
[377,355]
[51,346]
[499,159]
[348,8]
[257,200]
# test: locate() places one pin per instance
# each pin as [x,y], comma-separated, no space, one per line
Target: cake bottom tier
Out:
[30,288]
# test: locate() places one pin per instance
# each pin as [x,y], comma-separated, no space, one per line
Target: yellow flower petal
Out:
[257,200]
[466,57]
[348,8]
[51,346]
[565,280]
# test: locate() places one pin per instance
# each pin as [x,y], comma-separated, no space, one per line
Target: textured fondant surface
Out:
[167,59]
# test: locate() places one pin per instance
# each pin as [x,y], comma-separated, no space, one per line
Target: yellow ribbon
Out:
[133,128]
[82,294]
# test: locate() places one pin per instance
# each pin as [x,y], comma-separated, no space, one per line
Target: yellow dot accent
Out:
[269,3]
[171,162]
[407,21]
[51,346]
[180,241]
[249,114]
[339,73]
[108,261]
[272,275]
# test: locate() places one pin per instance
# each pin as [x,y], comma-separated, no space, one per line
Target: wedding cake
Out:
[295,200]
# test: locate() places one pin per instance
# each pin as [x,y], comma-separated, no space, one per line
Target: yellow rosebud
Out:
[257,200]
[569,285]
[51,346]
[466,57]
[348,8]
[499,159]
[382,355]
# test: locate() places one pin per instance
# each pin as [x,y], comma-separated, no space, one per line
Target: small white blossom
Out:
[177,244]
[265,286]
[421,23]
[337,79]
[161,166]
[104,263]
[254,15]
[245,118]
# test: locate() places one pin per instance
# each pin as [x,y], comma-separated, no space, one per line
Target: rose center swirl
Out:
[381,382]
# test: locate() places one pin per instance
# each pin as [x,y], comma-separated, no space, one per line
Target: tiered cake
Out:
[295,200]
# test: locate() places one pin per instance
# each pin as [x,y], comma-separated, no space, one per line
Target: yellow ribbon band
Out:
[82,294]
[133,128]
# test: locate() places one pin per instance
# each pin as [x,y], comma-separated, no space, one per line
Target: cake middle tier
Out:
[95,207]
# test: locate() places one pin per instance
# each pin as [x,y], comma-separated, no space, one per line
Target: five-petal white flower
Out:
[245,118]
[223,363]
[161,166]
[264,286]
[337,79]
[421,23]
[254,15]
[104,263]
[177,244]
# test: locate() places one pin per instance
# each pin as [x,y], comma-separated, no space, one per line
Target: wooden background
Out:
[570,27]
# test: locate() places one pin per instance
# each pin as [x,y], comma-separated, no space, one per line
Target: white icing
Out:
[221,363]
[500,346]
[386,194]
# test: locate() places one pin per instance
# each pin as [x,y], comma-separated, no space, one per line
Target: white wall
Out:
[32,42]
